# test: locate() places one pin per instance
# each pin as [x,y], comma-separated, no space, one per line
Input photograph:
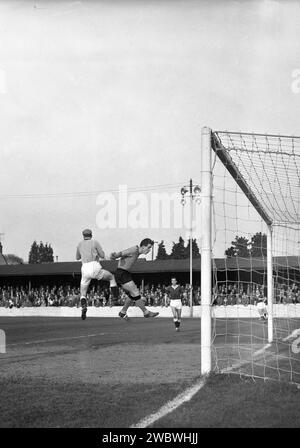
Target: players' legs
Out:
[134,295]
[84,289]
[174,312]
[262,311]
[176,317]
[265,313]
[109,277]
[84,285]
[128,302]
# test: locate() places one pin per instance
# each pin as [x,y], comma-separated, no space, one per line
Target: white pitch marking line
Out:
[185,396]
[58,339]
[171,405]
[294,334]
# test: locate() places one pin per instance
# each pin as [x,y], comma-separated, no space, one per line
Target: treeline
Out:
[40,253]
[179,250]
[241,246]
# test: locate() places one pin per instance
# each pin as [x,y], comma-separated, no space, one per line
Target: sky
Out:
[98,95]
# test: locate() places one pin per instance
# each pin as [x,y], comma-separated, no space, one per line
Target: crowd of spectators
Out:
[68,295]
[154,295]
[250,293]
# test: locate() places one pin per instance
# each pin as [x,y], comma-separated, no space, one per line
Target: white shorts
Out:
[176,304]
[261,306]
[91,270]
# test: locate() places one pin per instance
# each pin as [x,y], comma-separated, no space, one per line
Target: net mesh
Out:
[256,185]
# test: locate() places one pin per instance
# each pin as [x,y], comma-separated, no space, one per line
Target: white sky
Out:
[98,94]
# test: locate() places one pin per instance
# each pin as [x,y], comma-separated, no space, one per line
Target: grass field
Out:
[105,372]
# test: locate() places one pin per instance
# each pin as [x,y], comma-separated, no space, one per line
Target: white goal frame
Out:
[210,144]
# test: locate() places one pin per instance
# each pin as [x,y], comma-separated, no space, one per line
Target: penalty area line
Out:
[57,339]
[171,405]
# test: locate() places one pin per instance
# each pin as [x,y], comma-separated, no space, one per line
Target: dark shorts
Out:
[122,276]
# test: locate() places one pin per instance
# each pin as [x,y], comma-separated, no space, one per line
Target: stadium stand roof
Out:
[148,267]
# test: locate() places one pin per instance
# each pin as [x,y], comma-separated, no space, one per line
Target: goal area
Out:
[250,254]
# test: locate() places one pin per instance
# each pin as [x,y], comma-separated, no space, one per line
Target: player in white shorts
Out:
[262,308]
[90,252]
[175,292]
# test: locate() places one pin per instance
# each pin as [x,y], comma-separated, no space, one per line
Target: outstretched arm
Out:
[124,253]
[115,255]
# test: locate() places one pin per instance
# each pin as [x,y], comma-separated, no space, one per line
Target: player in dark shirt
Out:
[123,276]
[175,292]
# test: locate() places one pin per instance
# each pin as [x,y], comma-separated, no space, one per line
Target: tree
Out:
[258,245]
[34,254]
[239,248]
[40,253]
[178,250]
[195,249]
[48,253]
[161,252]
[13,259]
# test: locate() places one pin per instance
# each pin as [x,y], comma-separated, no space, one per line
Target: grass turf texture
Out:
[110,373]
[230,401]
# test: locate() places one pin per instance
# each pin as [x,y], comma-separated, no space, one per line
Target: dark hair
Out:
[146,242]
[174,278]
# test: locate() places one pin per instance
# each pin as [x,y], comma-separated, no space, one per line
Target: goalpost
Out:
[250,253]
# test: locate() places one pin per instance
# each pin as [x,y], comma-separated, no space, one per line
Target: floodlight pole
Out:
[193,191]
[191,248]
[206,287]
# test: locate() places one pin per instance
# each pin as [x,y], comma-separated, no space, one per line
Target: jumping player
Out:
[90,252]
[124,278]
[175,292]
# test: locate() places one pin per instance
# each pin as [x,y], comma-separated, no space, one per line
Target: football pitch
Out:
[106,373]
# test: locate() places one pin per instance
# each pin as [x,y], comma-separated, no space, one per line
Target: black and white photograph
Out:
[149,217]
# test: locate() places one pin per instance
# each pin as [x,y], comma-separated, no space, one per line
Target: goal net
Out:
[250,267]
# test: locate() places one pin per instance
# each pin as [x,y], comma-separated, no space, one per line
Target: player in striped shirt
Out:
[123,276]
[175,292]
[90,252]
